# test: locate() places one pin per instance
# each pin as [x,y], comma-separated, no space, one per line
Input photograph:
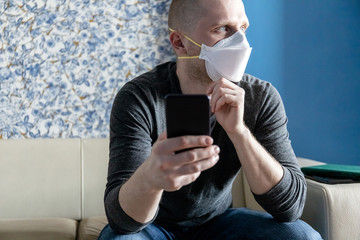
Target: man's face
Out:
[219,19]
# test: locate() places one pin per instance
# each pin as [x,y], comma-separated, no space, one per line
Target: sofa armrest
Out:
[238,196]
[333,210]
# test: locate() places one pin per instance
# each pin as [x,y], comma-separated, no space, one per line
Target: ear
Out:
[176,40]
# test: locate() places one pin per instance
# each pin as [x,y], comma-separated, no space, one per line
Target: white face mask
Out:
[227,58]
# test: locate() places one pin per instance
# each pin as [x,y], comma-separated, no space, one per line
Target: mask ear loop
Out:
[188,38]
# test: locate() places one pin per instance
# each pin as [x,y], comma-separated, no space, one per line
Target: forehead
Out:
[217,12]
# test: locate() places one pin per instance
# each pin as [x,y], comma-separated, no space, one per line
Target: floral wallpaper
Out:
[63,61]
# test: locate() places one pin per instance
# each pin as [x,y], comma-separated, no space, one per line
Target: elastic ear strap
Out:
[188,57]
[188,38]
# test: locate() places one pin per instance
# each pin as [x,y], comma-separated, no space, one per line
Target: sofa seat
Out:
[90,228]
[52,228]
[38,229]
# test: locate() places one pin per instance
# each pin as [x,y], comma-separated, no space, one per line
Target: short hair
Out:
[183,14]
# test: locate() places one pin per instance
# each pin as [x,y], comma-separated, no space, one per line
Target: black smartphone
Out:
[187,115]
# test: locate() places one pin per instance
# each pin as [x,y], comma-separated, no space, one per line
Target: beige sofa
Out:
[53,189]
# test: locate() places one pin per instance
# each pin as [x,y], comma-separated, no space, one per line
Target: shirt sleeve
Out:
[130,145]
[286,200]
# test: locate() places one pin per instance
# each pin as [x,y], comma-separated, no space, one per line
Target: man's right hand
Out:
[165,170]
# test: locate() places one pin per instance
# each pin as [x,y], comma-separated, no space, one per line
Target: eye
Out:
[243,28]
[222,29]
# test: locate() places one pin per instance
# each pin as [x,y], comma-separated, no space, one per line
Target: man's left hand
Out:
[227,103]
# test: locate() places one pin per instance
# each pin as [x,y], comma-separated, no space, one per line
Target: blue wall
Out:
[310,50]
[265,36]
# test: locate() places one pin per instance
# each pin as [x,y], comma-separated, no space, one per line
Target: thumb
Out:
[211,89]
[162,136]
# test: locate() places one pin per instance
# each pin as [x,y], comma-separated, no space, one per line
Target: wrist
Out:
[241,133]
[138,198]
[145,178]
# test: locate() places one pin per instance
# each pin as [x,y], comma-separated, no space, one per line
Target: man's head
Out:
[206,22]
[206,17]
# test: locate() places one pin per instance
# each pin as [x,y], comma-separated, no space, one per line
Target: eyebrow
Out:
[244,23]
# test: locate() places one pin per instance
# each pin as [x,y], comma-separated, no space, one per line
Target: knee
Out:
[108,234]
[150,232]
[298,230]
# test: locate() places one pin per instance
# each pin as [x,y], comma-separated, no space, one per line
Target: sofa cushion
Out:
[95,156]
[90,228]
[38,229]
[40,178]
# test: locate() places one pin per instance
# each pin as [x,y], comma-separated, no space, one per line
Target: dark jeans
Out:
[234,224]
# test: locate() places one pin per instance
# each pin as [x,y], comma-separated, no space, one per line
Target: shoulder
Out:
[162,76]
[256,88]
[262,101]
[153,84]
[259,93]
[145,95]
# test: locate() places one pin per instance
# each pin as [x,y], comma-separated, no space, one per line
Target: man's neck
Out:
[191,84]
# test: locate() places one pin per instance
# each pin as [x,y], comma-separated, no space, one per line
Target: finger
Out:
[219,88]
[226,99]
[162,136]
[183,181]
[211,88]
[190,178]
[220,94]
[185,142]
[221,83]
[160,144]
[198,166]
[191,156]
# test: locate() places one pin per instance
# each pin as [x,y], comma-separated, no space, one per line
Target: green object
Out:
[337,171]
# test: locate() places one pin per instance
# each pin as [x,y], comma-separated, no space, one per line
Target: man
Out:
[153,193]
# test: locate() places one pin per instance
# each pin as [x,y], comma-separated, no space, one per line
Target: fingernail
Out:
[217,149]
[208,141]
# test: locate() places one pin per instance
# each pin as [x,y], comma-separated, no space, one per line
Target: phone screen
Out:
[187,115]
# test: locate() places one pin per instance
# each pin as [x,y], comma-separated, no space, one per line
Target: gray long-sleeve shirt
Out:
[138,118]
